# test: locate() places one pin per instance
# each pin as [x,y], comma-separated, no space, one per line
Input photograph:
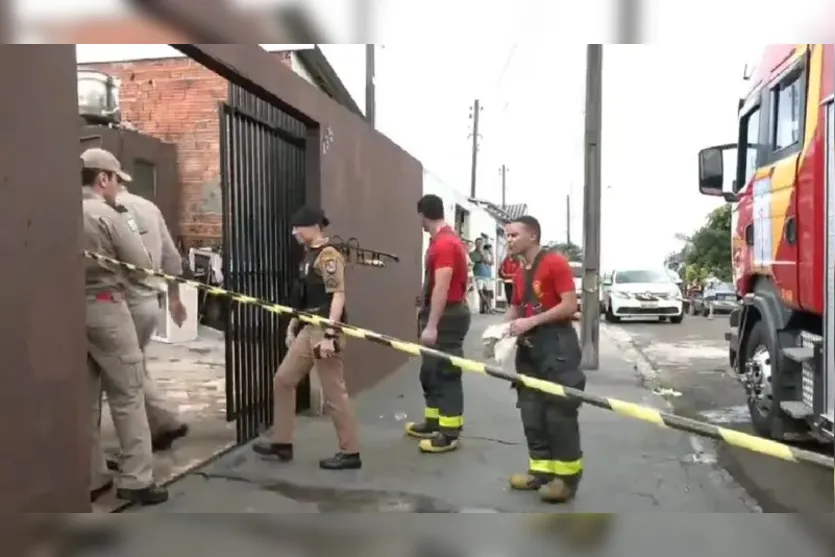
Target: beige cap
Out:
[99,159]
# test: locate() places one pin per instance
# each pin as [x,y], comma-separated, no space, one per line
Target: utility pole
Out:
[475,110]
[628,20]
[503,173]
[370,90]
[568,218]
[590,337]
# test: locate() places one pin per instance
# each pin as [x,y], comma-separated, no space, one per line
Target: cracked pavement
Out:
[690,361]
[632,469]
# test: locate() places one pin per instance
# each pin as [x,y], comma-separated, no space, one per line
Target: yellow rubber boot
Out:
[439,443]
[423,430]
[556,491]
[525,482]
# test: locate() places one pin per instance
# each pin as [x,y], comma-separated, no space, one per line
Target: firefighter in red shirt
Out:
[510,264]
[444,320]
[541,314]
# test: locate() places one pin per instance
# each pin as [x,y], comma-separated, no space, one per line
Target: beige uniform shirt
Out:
[154,233]
[108,233]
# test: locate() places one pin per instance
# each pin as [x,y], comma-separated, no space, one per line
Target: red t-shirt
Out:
[509,267]
[446,250]
[552,279]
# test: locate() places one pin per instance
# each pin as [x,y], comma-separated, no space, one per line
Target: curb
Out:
[648,372]
[640,363]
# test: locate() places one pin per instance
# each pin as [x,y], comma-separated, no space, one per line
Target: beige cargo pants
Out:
[114,365]
[162,417]
[297,363]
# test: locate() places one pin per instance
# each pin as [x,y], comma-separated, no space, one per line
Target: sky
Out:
[660,106]
[525,61]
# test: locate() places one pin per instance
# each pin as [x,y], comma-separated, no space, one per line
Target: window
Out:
[577,271]
[462,221]
[788,112]
[144,179]
[751,132]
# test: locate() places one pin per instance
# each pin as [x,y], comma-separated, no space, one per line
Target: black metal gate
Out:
[263,184]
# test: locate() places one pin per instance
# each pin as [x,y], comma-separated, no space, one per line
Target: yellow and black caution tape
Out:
[628,409]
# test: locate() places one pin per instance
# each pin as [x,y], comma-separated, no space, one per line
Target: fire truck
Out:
[780,182]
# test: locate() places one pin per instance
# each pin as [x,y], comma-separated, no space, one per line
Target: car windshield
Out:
[577,271]
[639,276]
[722,288]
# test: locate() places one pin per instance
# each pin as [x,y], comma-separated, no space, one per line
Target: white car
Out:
[642,293]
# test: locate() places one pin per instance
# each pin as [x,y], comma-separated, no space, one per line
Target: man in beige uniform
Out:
[320,289]
[143,302]
[114,357]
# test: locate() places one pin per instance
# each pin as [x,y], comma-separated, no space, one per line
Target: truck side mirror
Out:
[711,171]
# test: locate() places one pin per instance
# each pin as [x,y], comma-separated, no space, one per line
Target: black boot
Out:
[164,440]
[151,495]
[282,451]
[341,461]
[423,430]
[441,442]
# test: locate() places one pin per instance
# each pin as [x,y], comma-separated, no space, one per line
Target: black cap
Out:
[309,216]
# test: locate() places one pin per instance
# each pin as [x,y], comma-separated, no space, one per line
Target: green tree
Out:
[708,250]
[570,250]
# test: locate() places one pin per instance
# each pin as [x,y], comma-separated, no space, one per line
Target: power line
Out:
[507,63]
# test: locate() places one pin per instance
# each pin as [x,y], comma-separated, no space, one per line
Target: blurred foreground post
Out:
[590,332]
[370,86]
[628,22]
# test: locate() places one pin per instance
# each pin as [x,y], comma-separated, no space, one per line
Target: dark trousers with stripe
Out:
[551,425]
[443,391]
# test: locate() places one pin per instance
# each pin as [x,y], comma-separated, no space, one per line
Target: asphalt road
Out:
[649,489]
[692,359]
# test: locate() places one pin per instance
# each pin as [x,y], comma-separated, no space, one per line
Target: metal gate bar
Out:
[263,184]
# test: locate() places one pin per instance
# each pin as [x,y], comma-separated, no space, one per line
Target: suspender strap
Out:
[529,296]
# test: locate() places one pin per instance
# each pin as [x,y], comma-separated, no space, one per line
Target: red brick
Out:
[175,100]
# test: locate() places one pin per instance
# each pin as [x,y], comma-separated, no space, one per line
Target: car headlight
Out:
[619,294]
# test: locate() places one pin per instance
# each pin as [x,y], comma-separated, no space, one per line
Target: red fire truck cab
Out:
[781,187]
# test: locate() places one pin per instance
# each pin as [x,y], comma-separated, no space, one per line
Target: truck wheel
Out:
[764,404]
[610,316]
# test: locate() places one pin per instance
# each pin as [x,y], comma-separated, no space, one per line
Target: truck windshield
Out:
[630,277]
[577,271]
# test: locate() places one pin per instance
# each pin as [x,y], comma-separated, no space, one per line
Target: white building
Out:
[472,219]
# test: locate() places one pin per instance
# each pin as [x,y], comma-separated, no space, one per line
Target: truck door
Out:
[829,313]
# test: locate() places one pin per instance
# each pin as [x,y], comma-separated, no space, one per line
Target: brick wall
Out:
[175,100]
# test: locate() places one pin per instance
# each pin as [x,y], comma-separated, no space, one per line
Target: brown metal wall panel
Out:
[43,394]
[367,184]
[132,147]
[370,189]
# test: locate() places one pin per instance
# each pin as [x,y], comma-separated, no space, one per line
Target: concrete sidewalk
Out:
[630,466]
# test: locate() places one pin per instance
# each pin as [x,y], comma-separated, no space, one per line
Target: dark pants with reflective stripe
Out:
[551,423]
[441,381]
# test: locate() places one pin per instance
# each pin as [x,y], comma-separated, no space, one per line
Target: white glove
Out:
[498,342]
